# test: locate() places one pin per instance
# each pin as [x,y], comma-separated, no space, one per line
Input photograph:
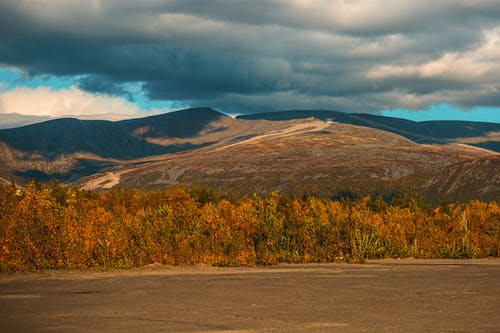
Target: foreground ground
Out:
[380,296]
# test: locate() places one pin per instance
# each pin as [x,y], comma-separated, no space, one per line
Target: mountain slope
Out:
[68,135]
[306,157]
[67,149]
[467,180]
[421,132]
[202,147]
[180,124]
[118,140]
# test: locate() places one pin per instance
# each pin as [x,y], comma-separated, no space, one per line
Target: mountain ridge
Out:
[433,131]
[317,152]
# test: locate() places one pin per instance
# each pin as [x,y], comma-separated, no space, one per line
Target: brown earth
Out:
[381,296]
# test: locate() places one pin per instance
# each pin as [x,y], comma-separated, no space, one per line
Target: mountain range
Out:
[301,152]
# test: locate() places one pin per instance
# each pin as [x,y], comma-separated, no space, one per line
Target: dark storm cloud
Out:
[245,55]
[98,84]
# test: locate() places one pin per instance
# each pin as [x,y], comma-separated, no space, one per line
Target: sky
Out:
[418,59]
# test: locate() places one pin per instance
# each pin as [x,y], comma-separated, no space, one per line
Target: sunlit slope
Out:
[319,155]
[481,134]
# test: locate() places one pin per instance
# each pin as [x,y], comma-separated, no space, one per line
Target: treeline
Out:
[63,227]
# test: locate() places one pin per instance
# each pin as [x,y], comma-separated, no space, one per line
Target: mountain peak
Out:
[200,111]
[180,124]
[193,113]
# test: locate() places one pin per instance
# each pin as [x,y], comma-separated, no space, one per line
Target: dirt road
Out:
[381,296]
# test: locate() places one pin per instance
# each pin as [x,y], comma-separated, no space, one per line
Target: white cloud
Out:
[479,64]
[44,101]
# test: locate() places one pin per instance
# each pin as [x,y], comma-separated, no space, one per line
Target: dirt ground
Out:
[379,296]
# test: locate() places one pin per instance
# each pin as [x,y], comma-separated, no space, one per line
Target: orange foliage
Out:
[64,227]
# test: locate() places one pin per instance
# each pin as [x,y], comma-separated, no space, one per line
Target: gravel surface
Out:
[379,296]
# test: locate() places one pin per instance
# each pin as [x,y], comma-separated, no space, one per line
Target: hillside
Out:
[467,180]
[64,136]
[68,149]
[308,157]
[119,140]
[477,133]
[305,153]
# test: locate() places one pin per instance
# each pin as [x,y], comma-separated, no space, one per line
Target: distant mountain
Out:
[324,153]
[107,139]
[11,120]
[420,132]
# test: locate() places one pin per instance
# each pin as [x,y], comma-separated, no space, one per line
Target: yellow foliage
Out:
[64,227]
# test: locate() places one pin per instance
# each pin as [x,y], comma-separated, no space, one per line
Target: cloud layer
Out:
[46,102]
[242,56]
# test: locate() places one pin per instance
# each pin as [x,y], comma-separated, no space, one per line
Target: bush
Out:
[63,227]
